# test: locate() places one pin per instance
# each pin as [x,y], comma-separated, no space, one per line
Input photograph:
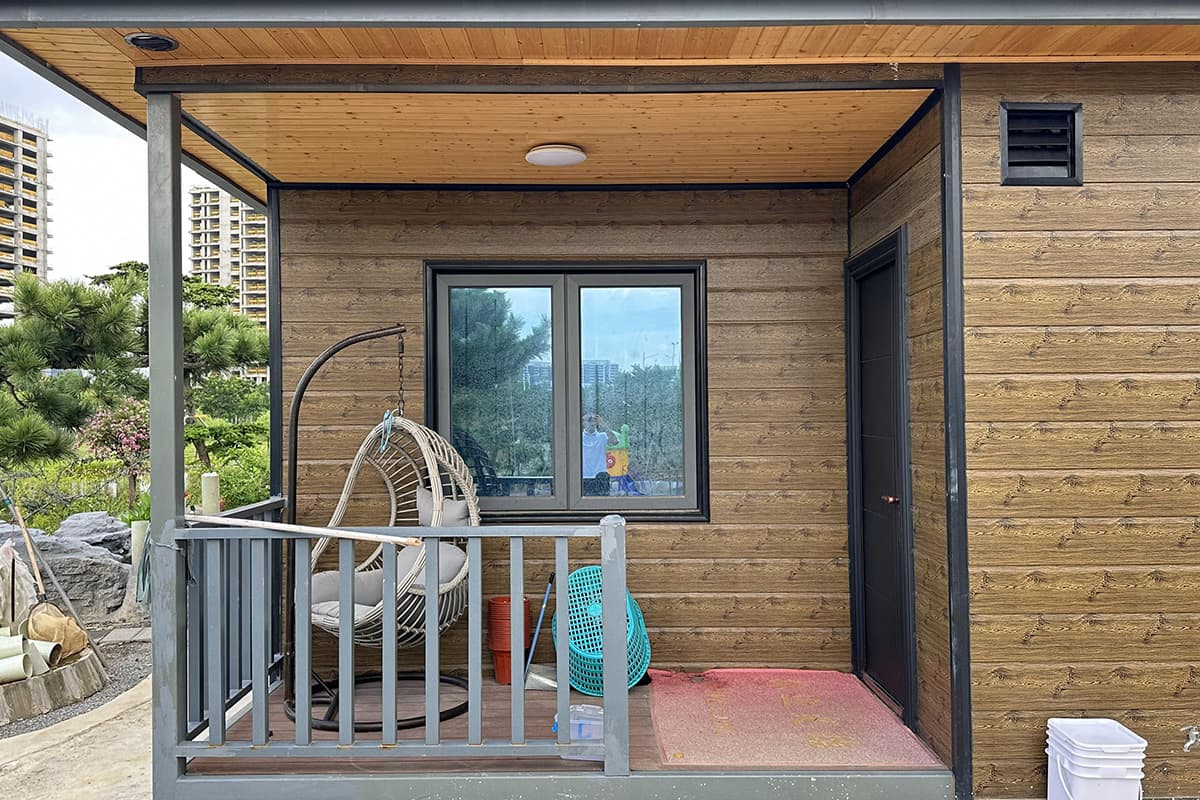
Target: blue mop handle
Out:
[538,630]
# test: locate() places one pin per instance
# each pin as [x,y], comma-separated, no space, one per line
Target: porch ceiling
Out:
[710,137]
[98,59]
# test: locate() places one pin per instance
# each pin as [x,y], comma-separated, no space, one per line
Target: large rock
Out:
[91,576]
[99,529]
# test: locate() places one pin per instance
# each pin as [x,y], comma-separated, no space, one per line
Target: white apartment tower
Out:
[229,248]
[24,242]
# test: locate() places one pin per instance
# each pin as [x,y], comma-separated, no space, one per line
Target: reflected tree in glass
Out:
[501,400]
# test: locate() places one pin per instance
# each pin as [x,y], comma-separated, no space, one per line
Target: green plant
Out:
[69,353]
[138,509]
[245,476]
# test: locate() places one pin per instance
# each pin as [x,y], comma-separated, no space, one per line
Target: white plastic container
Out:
[587,724]
[1093,759]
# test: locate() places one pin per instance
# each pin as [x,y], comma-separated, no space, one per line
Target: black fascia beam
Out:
[595,13]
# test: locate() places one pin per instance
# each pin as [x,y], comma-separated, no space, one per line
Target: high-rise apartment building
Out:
[229,248]
[24,242]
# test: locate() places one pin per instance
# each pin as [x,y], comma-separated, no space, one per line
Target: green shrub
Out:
[48,492]
[245,476]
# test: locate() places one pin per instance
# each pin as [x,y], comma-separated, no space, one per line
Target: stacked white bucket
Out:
[1093,759]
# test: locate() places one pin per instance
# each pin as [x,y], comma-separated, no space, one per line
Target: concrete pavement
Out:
[101,755]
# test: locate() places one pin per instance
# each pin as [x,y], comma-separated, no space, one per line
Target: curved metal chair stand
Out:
[427,483]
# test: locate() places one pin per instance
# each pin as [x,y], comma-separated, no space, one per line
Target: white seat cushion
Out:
[455,513]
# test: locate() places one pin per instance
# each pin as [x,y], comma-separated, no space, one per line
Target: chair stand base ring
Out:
[325,694]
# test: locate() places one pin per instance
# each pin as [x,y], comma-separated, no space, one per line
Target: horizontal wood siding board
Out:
[1096,301]
[1093,206]
[1083,401]
[1054,542]
[1126,589]
[1083,397]
[1081,683]
[1087,254]
[1084,492]
[509,242]
[1098,445]
[1059,349]
[789,337]
[767,578]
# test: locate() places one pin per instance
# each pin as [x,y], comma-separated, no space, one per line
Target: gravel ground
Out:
[128,664]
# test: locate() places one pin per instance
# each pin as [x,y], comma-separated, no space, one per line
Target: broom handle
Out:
[16,515]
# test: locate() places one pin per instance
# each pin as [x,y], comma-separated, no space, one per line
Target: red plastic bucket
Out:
[500,635]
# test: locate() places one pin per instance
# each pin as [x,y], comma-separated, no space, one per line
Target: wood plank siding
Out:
[766,582]
[904,188]
[1083,422]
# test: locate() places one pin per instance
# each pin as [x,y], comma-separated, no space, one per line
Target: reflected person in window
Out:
[597,438]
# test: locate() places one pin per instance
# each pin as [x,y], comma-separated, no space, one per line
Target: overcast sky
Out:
[97,181]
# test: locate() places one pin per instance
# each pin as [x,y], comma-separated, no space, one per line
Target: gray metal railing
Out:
[266,740]
[218,580]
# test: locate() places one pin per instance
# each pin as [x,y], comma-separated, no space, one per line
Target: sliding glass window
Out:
[572,390]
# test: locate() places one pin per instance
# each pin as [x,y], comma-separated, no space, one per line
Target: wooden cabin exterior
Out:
[1049,507]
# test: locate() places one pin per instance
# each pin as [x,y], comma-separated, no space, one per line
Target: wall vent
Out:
[1041,144]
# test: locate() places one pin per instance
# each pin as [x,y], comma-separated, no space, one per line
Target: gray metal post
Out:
[168,583]
[614,646]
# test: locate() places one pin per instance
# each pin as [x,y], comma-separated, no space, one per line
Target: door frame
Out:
[892,248]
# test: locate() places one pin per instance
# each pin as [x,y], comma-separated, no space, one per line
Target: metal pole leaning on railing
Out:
[305,530]
[614,646]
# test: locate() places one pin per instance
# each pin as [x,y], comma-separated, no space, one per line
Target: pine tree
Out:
[76,348]
[70,351]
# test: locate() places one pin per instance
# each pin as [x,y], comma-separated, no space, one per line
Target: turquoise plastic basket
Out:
[585,633]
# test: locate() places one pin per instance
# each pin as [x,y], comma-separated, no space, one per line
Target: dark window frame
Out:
[692,508]
[1075,178]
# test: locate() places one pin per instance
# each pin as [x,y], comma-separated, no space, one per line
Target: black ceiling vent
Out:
[1041,144]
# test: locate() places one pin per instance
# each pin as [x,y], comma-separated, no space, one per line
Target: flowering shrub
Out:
[122,433]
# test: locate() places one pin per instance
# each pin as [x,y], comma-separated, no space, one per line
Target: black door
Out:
[880,530]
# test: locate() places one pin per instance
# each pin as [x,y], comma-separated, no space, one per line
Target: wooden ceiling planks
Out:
[99,59]
[630,138]
[630,46]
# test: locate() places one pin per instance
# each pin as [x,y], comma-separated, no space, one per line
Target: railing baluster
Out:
[260,636]
[474,641]
[233,610]
[303,614]
[345,696]
[389,643]
[196,558]
[561,652]
[516,594]
[433,548]
[614,646]
[242,585]
[215,640]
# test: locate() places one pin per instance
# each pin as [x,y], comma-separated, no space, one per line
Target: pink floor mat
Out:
[763,718]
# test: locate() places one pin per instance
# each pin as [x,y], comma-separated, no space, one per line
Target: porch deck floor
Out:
[644,746]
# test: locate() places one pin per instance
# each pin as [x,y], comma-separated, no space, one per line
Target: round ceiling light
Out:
[154,42]
[555,155]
